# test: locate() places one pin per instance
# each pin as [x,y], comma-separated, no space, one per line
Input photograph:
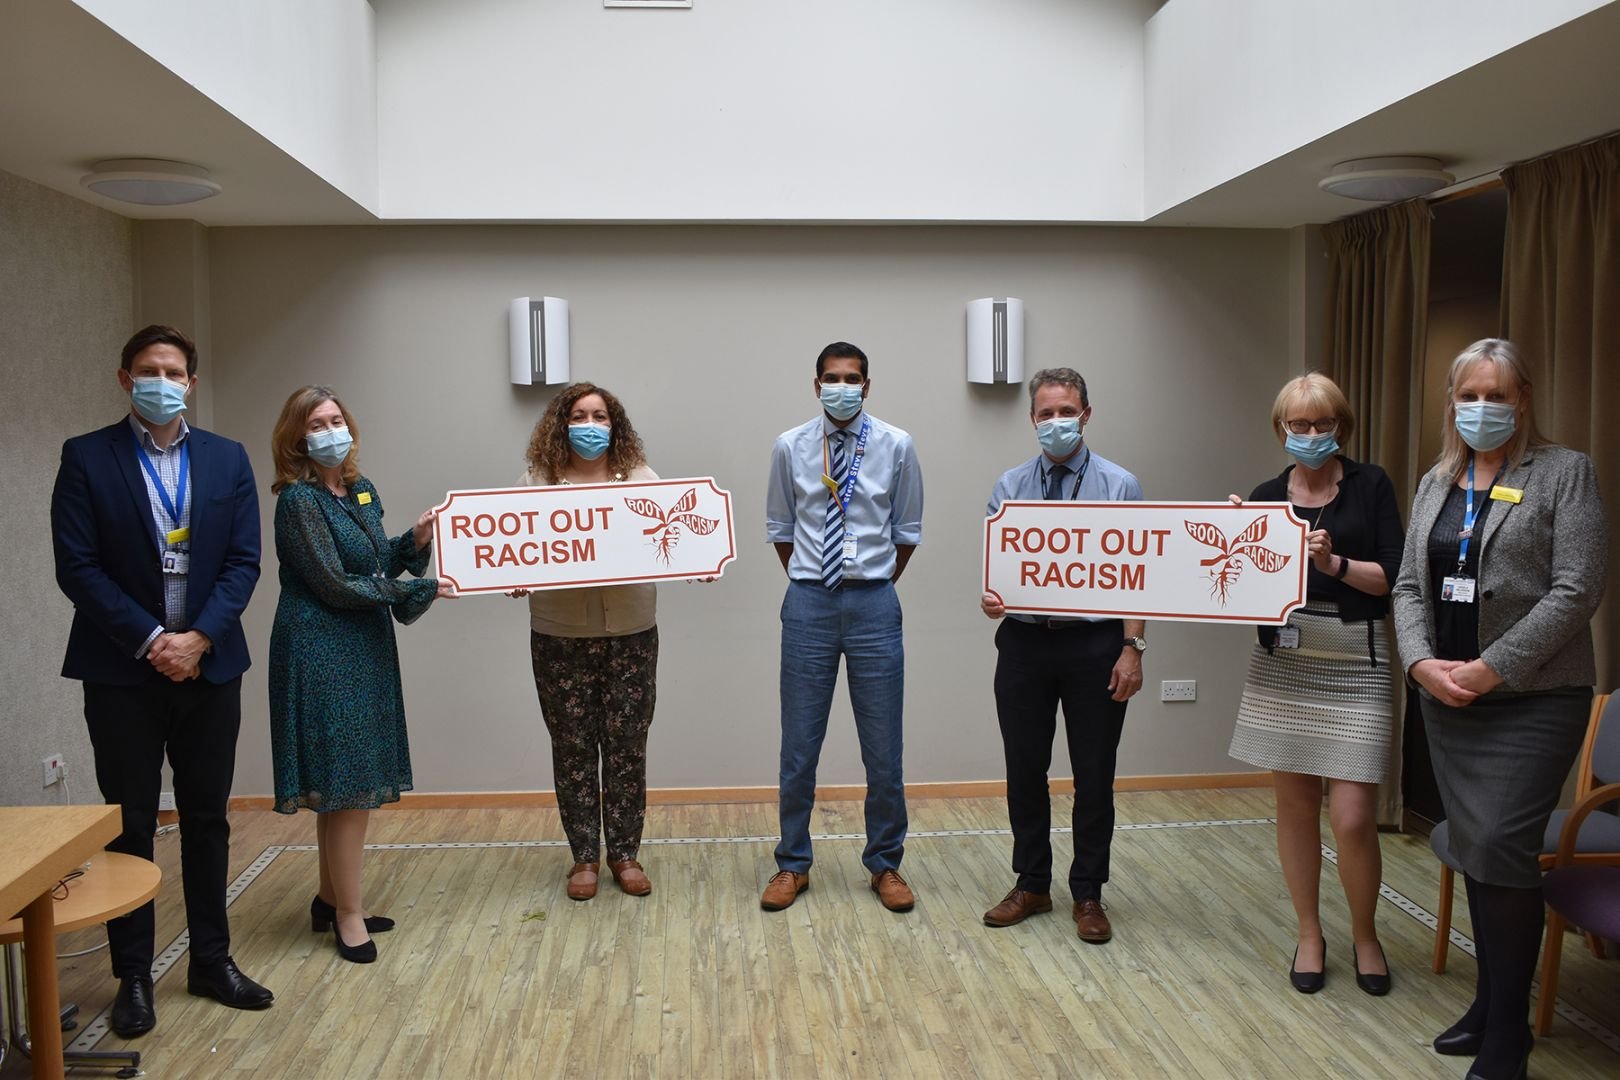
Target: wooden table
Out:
[40,845]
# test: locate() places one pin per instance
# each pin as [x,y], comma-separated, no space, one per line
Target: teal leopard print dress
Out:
[337,715]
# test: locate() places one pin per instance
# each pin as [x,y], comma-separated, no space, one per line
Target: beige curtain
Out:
[1561,306]
[1379,281]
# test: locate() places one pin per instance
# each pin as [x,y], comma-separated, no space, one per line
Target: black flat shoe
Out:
[132,1012]
[1308,982]
[1376,985]
[225,983]
[1458,1043]
[364,953]
[322,915]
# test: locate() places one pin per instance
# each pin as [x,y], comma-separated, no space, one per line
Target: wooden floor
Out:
[494,972]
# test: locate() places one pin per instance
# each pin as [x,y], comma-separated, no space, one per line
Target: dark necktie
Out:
[832,546]
[1054,481]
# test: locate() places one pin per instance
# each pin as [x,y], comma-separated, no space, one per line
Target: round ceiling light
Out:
[150,181]
[1386,179]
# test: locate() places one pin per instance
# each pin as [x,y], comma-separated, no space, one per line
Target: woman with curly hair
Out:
[595,653]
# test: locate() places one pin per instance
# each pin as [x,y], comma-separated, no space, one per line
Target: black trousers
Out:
[1037,669]
[131,729]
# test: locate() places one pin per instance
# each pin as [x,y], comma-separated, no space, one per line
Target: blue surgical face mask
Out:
[842,400]
[1059,436]
[1485,425]
[158,400]
[330,447]
[1312,451]
[590,441]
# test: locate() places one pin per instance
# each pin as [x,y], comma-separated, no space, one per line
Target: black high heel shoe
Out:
[1459,1042]
[322,915]
[1376,985]
[1308,982]
[363,953]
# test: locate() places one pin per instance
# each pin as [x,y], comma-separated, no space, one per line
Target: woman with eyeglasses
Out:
[1503,569]
[1317,704]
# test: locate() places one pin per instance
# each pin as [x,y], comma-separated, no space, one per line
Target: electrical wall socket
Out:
[1178,690]
[55,768]
[165,801]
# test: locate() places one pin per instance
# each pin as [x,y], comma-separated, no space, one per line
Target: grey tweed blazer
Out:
[1541,571]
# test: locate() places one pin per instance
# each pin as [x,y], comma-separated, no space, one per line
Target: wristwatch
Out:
[1137,643]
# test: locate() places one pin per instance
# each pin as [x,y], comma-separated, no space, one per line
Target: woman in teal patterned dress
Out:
[337,719]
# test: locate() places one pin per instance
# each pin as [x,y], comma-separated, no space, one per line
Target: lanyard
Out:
[1469,516]
[349,512]
[844,491]
[1079,476]
[176,506]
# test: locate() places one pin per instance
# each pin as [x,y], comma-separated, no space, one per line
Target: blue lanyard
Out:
[177,505]
[1079,476]
[847,489]
[1469,516]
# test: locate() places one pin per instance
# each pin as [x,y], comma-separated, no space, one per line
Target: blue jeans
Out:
[861,622]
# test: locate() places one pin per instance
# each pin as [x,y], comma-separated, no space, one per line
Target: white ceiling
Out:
[1553,91]
[72,92]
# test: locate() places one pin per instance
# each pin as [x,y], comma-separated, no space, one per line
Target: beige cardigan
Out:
[595,611]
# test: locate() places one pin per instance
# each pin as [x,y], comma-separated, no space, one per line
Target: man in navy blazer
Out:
[156,530]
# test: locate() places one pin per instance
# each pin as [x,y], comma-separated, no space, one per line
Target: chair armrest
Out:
[1595,798]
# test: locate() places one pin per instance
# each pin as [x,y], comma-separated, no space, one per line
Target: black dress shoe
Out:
[132,1012]
[1308,982]
[363,953]
[225,983]
[322,915]
[1458,1043]
[1376,985]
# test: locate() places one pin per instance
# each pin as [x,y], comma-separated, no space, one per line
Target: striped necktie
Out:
[832,546]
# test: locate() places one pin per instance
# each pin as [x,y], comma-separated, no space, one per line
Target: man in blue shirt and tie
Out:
[844,508]
[1091,666]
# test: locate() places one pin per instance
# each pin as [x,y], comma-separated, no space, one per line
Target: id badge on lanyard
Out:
[1459,587]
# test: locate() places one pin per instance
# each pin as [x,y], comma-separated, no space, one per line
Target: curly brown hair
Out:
[549,449]
[287,447]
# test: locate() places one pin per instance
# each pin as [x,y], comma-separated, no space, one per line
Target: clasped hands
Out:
[178,656]
[1455,682]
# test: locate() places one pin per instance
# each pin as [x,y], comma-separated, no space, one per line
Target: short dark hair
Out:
[840,349]
[160,335]
[1058,376]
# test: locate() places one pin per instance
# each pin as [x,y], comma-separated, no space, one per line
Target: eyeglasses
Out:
[1305,427]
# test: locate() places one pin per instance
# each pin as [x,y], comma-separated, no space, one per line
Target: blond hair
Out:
[1500,354]
[1316,392]
[290,453]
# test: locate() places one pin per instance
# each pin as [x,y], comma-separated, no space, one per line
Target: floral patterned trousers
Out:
[596,695]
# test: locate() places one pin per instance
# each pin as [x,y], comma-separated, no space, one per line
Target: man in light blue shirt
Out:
[844,508]
[1091,667]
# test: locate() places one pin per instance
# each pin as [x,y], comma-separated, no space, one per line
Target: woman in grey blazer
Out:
[1503,568]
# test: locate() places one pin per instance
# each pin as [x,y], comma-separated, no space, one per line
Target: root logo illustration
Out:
[1225,567]
[667,533]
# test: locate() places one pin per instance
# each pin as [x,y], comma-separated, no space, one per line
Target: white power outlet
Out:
[165,801]
[55,768]
[1178,690]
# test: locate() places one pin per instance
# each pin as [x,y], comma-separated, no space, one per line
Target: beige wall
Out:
[66,306]
[710,334]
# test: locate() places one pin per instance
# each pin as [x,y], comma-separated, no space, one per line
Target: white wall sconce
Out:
[150,181]
[1386,179]
[539,332]
[995,340]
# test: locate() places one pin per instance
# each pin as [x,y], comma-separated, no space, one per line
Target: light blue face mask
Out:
[1485,425]
[330,447]
[1312,451]
[1059,436]
[158,400]
[842,400]
[590,441]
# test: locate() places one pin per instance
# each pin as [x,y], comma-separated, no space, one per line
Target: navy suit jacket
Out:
[108,551]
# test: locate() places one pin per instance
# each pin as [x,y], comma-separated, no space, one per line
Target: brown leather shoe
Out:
[1090,921]
[582,880]
[893,890]
[631,877]
[783,888]
[1017,906]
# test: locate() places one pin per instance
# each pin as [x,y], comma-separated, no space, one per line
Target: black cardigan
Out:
[1364,521]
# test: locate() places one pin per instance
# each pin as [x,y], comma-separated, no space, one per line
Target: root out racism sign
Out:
[1189,562]
[573,535]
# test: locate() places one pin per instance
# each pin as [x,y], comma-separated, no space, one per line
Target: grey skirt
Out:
[1500,765]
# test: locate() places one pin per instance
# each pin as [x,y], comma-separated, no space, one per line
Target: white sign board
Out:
[577,535]
[1190,562]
